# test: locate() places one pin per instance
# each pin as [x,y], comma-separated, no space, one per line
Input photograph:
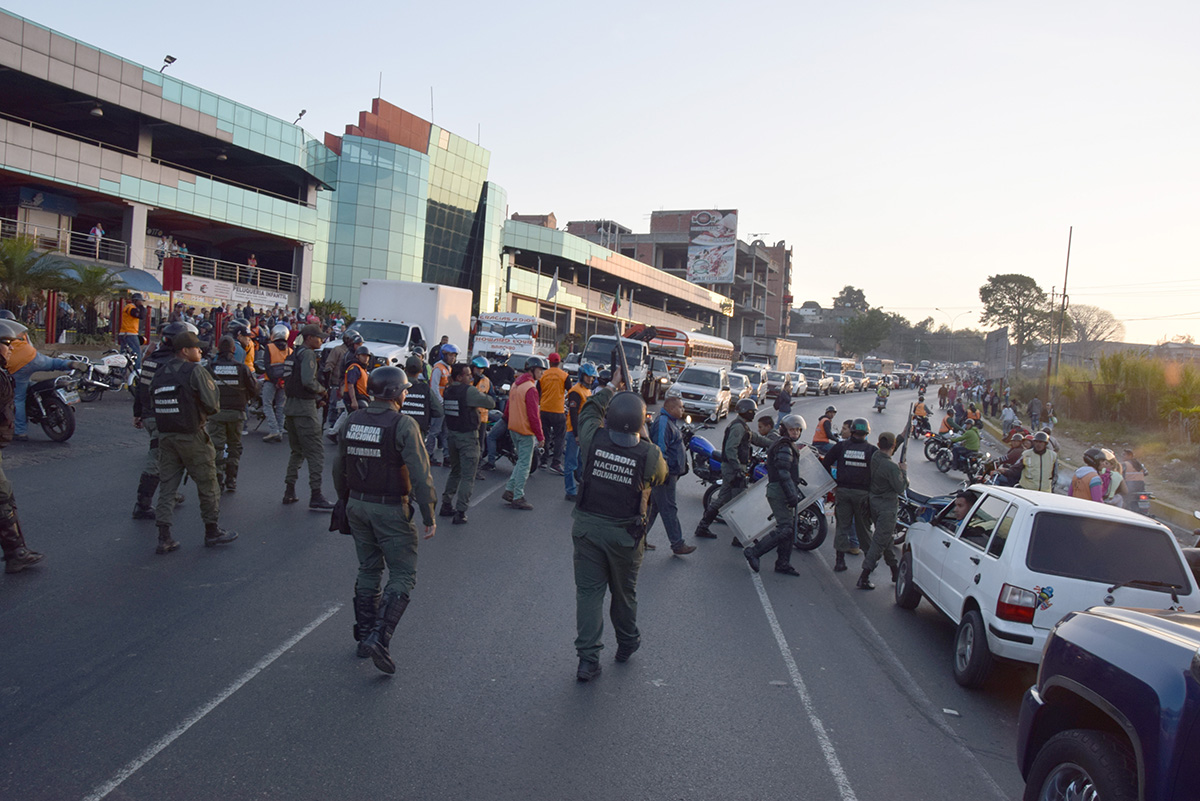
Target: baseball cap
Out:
[555,358]
[311,330]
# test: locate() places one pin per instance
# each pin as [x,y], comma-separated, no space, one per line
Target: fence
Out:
[204,267]
[64,240]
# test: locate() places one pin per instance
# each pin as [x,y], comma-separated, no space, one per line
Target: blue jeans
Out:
[134,341]
[497,431]
[662,504]
[570,462]
[516,482]
[40,363]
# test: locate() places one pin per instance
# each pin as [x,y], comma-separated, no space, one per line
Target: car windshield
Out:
[600,351]
[752,376]
[700,378]
[501,329]
[812,374]
[737,380]
[776,376]
[659,365]
[1107,551]
[855,374]
[387,333]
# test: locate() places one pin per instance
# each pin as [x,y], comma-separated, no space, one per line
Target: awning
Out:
[139,280]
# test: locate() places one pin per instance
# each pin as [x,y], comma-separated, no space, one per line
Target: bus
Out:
[833,365]
[515,333]
[681,348]
[872,364]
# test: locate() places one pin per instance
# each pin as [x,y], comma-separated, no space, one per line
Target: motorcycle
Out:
[976,466]
[811,525]
[880,403]
[505,447]
[934,443]
[1139,496]
[920,427]
[49,403]
[114,371]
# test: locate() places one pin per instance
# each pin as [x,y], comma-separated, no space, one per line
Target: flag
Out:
[616,301]
[553,286]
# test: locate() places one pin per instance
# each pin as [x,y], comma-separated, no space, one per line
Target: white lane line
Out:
[153,751]
[922,700]
[491,491]
[845,791]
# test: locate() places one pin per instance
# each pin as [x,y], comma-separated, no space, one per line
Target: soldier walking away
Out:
[236,386]
[619,469]
[17,555]
[419,401]
[184,395]
[888,481]
[273,394]
[849,461]
[462,403]
[302,418]
[380,466]
[783,494]
[735,461]
[143,418]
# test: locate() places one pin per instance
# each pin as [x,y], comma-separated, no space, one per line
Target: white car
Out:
[1019,561]
[704,390]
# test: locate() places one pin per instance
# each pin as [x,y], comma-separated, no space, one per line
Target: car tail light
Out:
[1143,497]
[1015,604]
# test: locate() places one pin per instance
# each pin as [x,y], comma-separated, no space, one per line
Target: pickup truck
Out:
[819,382]
[1005,565]
[1114,712]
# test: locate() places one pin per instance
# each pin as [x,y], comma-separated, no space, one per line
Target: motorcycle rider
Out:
[380,465]
[143,416]
[23,362]
[949,424]
[354,381]
[501,372]
[419,401]
[1038,465]
[129,333]
[824,437]
[577,395]
[17,555]
[882,393]
[184,395]
[552,392]
[735,462]
[921,414]
[783,495]
[849,462]
[236,386]
[1087,482]
[965,444]
[273,394]
[462,403]
[888,481]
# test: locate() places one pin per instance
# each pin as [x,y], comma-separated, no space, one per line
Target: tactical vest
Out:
[416,404]
[854,466]
[276,356]
[175,407]
[373,465]
[291,377]
[614,478]
[743,452]
[773,473]
[145,377]
[459,417]
[229,383]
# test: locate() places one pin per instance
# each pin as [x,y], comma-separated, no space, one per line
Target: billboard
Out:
[712,247]
[995,353]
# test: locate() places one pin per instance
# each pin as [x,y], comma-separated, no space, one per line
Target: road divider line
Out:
[845,791]
[156,748]
[478,499]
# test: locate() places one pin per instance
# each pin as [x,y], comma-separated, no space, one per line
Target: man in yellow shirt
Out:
[23,362]
[129,333]
[553,391]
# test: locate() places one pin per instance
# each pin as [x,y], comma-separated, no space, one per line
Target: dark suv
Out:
[1113,713]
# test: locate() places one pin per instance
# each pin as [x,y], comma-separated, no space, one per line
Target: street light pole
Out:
[952,321]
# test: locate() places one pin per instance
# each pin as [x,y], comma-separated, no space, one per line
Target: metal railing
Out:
[76,244]
[205,267]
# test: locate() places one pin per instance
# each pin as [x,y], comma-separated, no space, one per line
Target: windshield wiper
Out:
[1147,583]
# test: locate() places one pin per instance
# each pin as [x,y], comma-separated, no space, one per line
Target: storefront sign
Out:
[257,296]
[205,287]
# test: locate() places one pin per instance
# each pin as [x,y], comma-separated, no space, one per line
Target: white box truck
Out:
[779,354]
[396,316]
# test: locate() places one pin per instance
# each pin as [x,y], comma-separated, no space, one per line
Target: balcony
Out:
[72,244]
[204,267]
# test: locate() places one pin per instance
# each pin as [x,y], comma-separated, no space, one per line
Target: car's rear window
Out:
[1102,550]
[775,376]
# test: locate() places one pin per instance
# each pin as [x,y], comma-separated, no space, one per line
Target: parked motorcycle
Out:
[49,404]
[114,371]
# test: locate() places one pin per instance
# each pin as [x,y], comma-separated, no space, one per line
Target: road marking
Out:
[918,695]
[845,791]
[156,748]
[491,491]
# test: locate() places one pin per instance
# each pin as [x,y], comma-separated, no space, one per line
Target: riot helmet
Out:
[280,331]
[796,423]
[625,417]
[746,409]
[387,383]
[859,428]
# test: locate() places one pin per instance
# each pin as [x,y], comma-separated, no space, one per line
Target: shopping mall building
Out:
[263,213]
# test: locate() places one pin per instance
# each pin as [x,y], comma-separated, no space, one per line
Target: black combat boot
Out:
[626,649]
[215,535]
[864,581]
[752,557]
[391,608]
[460,518]
[366,609]
[144,508]
[165,543]
[588,669]
[839,564]
[231,471]
[895,572]
[318,502]
[17,557]
[289,493]
[702,531]
[447,509]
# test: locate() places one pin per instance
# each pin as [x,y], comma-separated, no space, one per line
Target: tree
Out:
[863,334]
[89,285]
[1018,302]
[851,297]
[25,270]
[1089,325]
[328,308]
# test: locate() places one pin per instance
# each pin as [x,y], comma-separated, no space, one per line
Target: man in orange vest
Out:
[129,333]
[273,395]
[522,414]
[823,436]
[23,362]
[576,397]
[552,389]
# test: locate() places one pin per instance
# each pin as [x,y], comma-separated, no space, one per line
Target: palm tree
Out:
[25,270]
[328,308]
[89,285]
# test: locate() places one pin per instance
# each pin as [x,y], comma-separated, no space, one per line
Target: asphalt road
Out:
[230,673]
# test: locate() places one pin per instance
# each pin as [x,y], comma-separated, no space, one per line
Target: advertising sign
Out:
[257,296]
[995,348]
[207,288]
[712,247]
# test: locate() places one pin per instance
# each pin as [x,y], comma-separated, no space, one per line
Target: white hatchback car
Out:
[1006,565]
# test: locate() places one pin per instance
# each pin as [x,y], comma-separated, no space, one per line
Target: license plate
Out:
[70,397]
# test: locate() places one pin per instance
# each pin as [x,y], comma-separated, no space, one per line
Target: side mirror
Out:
[725,389]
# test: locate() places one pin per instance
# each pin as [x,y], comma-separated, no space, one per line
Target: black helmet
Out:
[136,296]
[625,417]
[859,428]
[226,345]
[238,327]
[746,409]
[794,421]
[920,397]
[830,410]
[5,314]
[530,363]
[1093,457]
[386,383]
[351,338]
[170,331]
[604,377]
[362,350]
[414,364]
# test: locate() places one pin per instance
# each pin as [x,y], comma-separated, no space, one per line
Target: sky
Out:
[910,149]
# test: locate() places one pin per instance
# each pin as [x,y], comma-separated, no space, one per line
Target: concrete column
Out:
[145,141]
[302,269]
[133,231]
